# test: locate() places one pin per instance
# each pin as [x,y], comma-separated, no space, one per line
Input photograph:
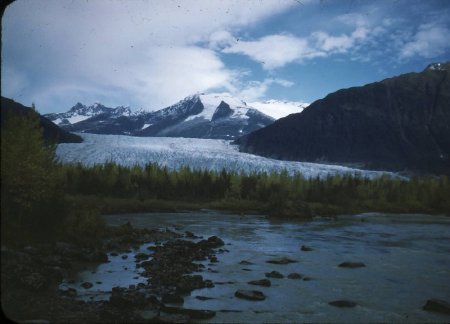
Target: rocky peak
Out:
[438,66]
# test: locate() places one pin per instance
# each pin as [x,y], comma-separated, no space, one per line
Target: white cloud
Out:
[256,90]
[274,51]
[430,40]
[338,44]
[144,52]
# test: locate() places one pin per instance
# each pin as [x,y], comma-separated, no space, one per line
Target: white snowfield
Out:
[212,101]
[175,152]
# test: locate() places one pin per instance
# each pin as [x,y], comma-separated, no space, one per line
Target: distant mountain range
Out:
[51,132]
[214,116]
[398,123]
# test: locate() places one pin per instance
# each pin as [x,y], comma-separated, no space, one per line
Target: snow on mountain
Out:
[212,101]
[80,112]
[279,109]
[174,153]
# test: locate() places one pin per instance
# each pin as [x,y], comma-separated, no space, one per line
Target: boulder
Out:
[281,260]
[294,275]
[352,265]
[306,248]
[342,303]
[262,282]
[86,285]
[250,294]
[437,305]
[212,242]
[274,274]
[141,256]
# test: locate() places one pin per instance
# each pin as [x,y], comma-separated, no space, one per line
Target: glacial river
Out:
[407,260]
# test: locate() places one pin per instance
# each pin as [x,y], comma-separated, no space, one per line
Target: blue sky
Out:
[150,54]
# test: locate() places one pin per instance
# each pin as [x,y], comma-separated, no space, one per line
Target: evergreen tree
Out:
[31,195]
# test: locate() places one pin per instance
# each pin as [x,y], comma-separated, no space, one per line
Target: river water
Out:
[407,260]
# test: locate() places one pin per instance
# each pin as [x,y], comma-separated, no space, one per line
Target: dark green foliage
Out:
[122,189]
[31,195]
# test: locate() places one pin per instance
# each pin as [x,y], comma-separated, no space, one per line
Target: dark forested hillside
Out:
[51,132]
[398,123]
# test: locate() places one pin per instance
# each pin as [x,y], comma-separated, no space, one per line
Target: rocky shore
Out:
[31,277]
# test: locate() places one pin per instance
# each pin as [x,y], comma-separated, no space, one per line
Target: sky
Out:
[151,54]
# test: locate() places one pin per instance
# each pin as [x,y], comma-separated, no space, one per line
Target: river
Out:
[406,257]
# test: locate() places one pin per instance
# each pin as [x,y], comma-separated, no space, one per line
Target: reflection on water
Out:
[407,261]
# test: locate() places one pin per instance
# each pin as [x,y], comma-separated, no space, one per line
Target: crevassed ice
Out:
[174,153]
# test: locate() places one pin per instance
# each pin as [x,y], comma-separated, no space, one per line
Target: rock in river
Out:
[437,305]
[306,248]
[281,260]
[262,282]
[352,265]
[86,285]
[342,303]
[274,274]
[294,275]
[250,294]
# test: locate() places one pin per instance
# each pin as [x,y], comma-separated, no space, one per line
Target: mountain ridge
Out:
[51,132]
[398,123]
[201,115]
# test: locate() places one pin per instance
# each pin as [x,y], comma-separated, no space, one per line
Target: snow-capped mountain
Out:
[201,115]
[80,112]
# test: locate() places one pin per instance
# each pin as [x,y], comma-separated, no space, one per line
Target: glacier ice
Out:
[175,152]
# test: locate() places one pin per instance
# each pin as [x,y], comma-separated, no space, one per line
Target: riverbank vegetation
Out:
[43,199]
[117,189]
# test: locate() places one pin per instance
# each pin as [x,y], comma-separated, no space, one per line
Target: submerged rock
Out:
[203,298]
[352,265]
[87,285]
[274,274]
[342,303]
[250,294]
[437,305]
[306,248]
[281,260]
[212,242]
[262,282]
[294,275]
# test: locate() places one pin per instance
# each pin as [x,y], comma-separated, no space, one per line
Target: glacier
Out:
[176,152]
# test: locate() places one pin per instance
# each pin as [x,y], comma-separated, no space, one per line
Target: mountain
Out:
[219,116]
[80,112]
[51,132]
[398,123]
